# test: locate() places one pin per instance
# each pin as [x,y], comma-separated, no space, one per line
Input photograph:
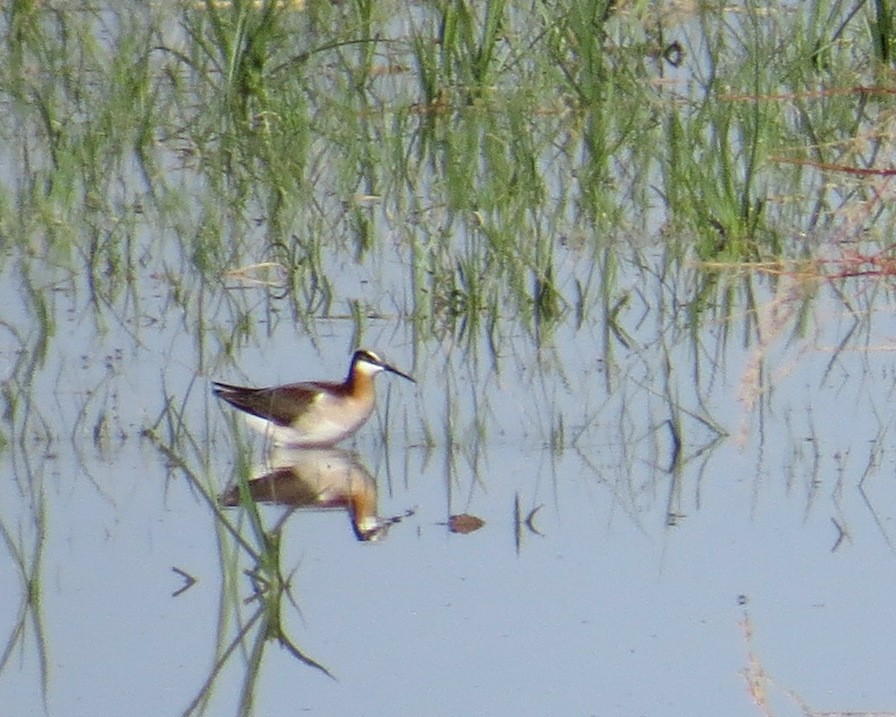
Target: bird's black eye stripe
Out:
[370,357]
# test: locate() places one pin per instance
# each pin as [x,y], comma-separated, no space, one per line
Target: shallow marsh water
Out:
[681,455]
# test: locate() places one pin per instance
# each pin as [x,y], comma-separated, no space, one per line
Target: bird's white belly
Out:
[325,425]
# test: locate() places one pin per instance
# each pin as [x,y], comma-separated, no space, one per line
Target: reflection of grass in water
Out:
[270,589]
[241,540]
[30,432]
[28,561]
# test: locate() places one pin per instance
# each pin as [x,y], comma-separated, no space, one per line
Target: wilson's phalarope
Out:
[312,414]
[319,478]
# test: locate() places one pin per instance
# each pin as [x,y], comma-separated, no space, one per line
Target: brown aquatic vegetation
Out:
[852,263]
[809,94]
[760,683]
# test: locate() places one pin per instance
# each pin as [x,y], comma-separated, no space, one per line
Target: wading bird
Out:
[313,413]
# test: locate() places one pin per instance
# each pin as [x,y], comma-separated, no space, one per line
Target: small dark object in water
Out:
[464,523]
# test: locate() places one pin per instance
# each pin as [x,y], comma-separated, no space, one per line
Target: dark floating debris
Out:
[464,523]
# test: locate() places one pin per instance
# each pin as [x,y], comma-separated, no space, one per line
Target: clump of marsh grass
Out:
[458,51]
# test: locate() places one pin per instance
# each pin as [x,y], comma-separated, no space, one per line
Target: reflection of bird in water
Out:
[324,478]
[312,414]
